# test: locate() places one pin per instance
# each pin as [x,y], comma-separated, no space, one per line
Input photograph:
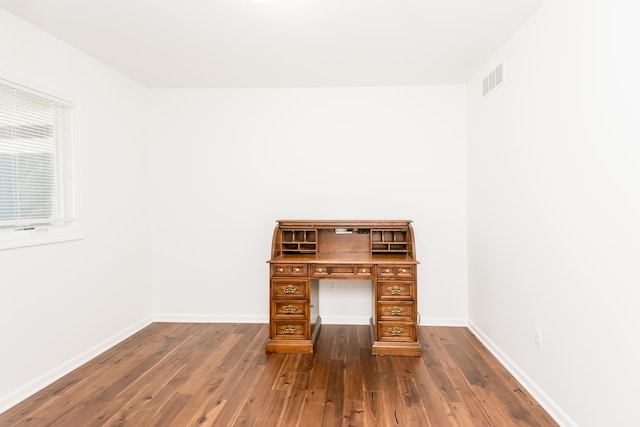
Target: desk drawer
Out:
[289,309]
[289,270]
[396,331]
[396,311]
[396,290]
[342,271]
[289,329]
[289,288]
[396,271]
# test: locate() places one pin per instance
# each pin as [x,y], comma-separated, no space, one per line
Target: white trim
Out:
[345,320]
[326,320]
[9,400]
[444,321]
[36,92]
[21,239]
[536,392]
[208,318]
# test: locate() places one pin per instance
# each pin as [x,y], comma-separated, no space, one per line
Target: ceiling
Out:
[283,43]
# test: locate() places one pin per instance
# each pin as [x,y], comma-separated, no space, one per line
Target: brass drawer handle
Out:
[290,289]
[395,290]
[386,270]
[404,270]
[396,311]
[395,331]
[289,329]
[297,270]
[290,309]
[280,270]
[364,270]
[319,270]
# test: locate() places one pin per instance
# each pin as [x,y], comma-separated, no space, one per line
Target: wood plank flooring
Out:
[181,374]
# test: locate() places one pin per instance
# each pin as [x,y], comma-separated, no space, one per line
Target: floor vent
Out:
[493,80]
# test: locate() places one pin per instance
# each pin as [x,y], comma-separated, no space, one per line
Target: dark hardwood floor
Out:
[183,374]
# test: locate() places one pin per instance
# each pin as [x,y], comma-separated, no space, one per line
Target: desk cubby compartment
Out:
[389,241]
[289,329]
[298,242]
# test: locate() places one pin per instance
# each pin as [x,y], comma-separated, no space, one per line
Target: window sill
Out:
[37,238]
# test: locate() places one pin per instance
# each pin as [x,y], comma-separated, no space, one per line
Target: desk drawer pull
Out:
[404,270]
[280,270]
[289,329]
[395,331]
[396,311]
[290,289]
[290,309]
[395,290]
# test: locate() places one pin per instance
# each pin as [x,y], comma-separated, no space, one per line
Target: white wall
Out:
[554,230]
[60,303]
[228,163]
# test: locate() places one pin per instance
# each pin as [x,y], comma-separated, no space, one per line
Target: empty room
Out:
[319,213]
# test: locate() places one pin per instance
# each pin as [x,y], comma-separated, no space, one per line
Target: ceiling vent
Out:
[493,80]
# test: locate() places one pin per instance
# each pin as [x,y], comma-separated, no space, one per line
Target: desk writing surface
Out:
[354,258]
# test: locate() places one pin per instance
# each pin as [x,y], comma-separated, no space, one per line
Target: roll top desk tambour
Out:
[303,252]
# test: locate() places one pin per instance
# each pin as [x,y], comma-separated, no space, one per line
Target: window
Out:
[36,187]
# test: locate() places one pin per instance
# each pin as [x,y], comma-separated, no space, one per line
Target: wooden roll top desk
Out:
[303,252]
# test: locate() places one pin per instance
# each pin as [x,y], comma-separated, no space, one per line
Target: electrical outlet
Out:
[538,338]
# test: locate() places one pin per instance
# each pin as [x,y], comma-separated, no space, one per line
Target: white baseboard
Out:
[443,321]
[365,320]
[326,319]
[345,320]
[9,400]
[543,399]
[208,318]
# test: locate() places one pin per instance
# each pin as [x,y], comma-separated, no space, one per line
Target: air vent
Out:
[493,80]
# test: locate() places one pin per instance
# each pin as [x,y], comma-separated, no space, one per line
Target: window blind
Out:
[36,179]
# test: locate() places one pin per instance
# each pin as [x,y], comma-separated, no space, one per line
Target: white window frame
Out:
[61,223]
